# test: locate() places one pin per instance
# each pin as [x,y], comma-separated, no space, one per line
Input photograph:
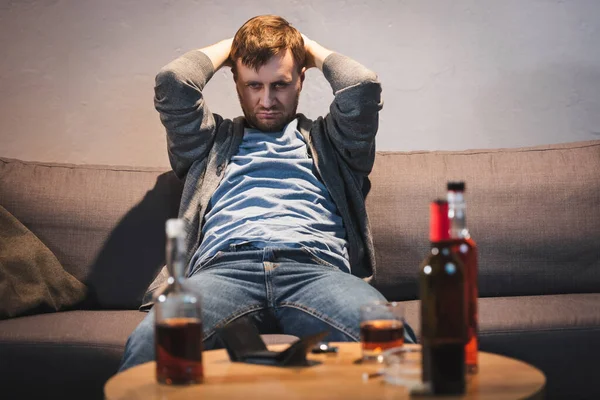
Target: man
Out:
[274,202]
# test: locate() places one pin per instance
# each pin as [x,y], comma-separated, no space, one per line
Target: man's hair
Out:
[263,37]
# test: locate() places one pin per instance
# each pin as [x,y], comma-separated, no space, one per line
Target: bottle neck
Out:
[457,214]
[175,260]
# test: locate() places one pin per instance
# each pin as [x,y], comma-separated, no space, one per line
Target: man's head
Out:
[268,58]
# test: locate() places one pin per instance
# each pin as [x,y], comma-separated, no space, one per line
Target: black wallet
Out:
[243,343]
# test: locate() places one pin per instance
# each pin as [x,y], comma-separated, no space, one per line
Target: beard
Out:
[276,124]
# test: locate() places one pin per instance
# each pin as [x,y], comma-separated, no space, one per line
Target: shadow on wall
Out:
[531,107]
[134,253]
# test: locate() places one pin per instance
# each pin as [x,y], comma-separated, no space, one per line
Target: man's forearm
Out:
[316,54]
[342,72]
[339,70]
[218,53]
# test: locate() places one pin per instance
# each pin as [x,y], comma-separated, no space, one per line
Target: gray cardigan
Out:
[342,145]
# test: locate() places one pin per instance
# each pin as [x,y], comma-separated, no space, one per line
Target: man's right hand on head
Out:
[219,53]
[315,53]
[310,59]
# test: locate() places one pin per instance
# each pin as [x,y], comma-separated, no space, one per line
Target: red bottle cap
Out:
[439,224]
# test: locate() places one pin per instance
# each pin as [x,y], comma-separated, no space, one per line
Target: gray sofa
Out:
[534,212]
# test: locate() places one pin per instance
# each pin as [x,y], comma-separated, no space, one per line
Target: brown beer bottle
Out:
[466,249]
[441,281]
[178,324]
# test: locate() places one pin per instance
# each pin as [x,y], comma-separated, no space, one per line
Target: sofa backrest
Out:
[105,224]
[534,213]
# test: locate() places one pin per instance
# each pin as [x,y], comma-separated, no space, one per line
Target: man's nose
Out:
[267,99]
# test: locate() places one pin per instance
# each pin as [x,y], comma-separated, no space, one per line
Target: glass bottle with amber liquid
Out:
[441,287]
[178,323]
[466,249]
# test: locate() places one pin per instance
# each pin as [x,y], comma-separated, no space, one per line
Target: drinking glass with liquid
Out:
[381,328]
[178,323]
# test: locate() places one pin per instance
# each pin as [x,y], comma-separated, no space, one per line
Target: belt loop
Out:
[268,254]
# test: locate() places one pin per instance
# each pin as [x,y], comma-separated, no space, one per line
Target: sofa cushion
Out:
[534,213]
[105,224]
[528,313]
[31,278]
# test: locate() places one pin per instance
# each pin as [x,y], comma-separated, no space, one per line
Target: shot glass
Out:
[381,328]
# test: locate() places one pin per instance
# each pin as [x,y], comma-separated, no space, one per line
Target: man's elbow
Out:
[179,168]
[166,80]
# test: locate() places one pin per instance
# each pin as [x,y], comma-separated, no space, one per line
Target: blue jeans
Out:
[289,291]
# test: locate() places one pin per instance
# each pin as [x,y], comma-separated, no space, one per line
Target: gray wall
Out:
[76,76]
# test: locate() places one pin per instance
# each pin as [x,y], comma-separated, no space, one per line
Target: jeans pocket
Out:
[316,259]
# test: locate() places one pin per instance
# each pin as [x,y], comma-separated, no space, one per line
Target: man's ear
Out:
[302,76]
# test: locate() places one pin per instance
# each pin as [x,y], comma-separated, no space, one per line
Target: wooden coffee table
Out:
[336,377]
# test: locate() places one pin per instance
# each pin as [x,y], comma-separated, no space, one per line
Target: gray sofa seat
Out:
[560,334]
[80,350]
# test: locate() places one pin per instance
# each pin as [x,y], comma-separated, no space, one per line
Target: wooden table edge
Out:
[538,393]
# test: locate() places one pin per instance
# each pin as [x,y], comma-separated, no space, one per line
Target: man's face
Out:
[269,96]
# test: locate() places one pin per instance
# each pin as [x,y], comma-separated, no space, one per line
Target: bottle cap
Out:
[175,227]
[439,224]
[457,186]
